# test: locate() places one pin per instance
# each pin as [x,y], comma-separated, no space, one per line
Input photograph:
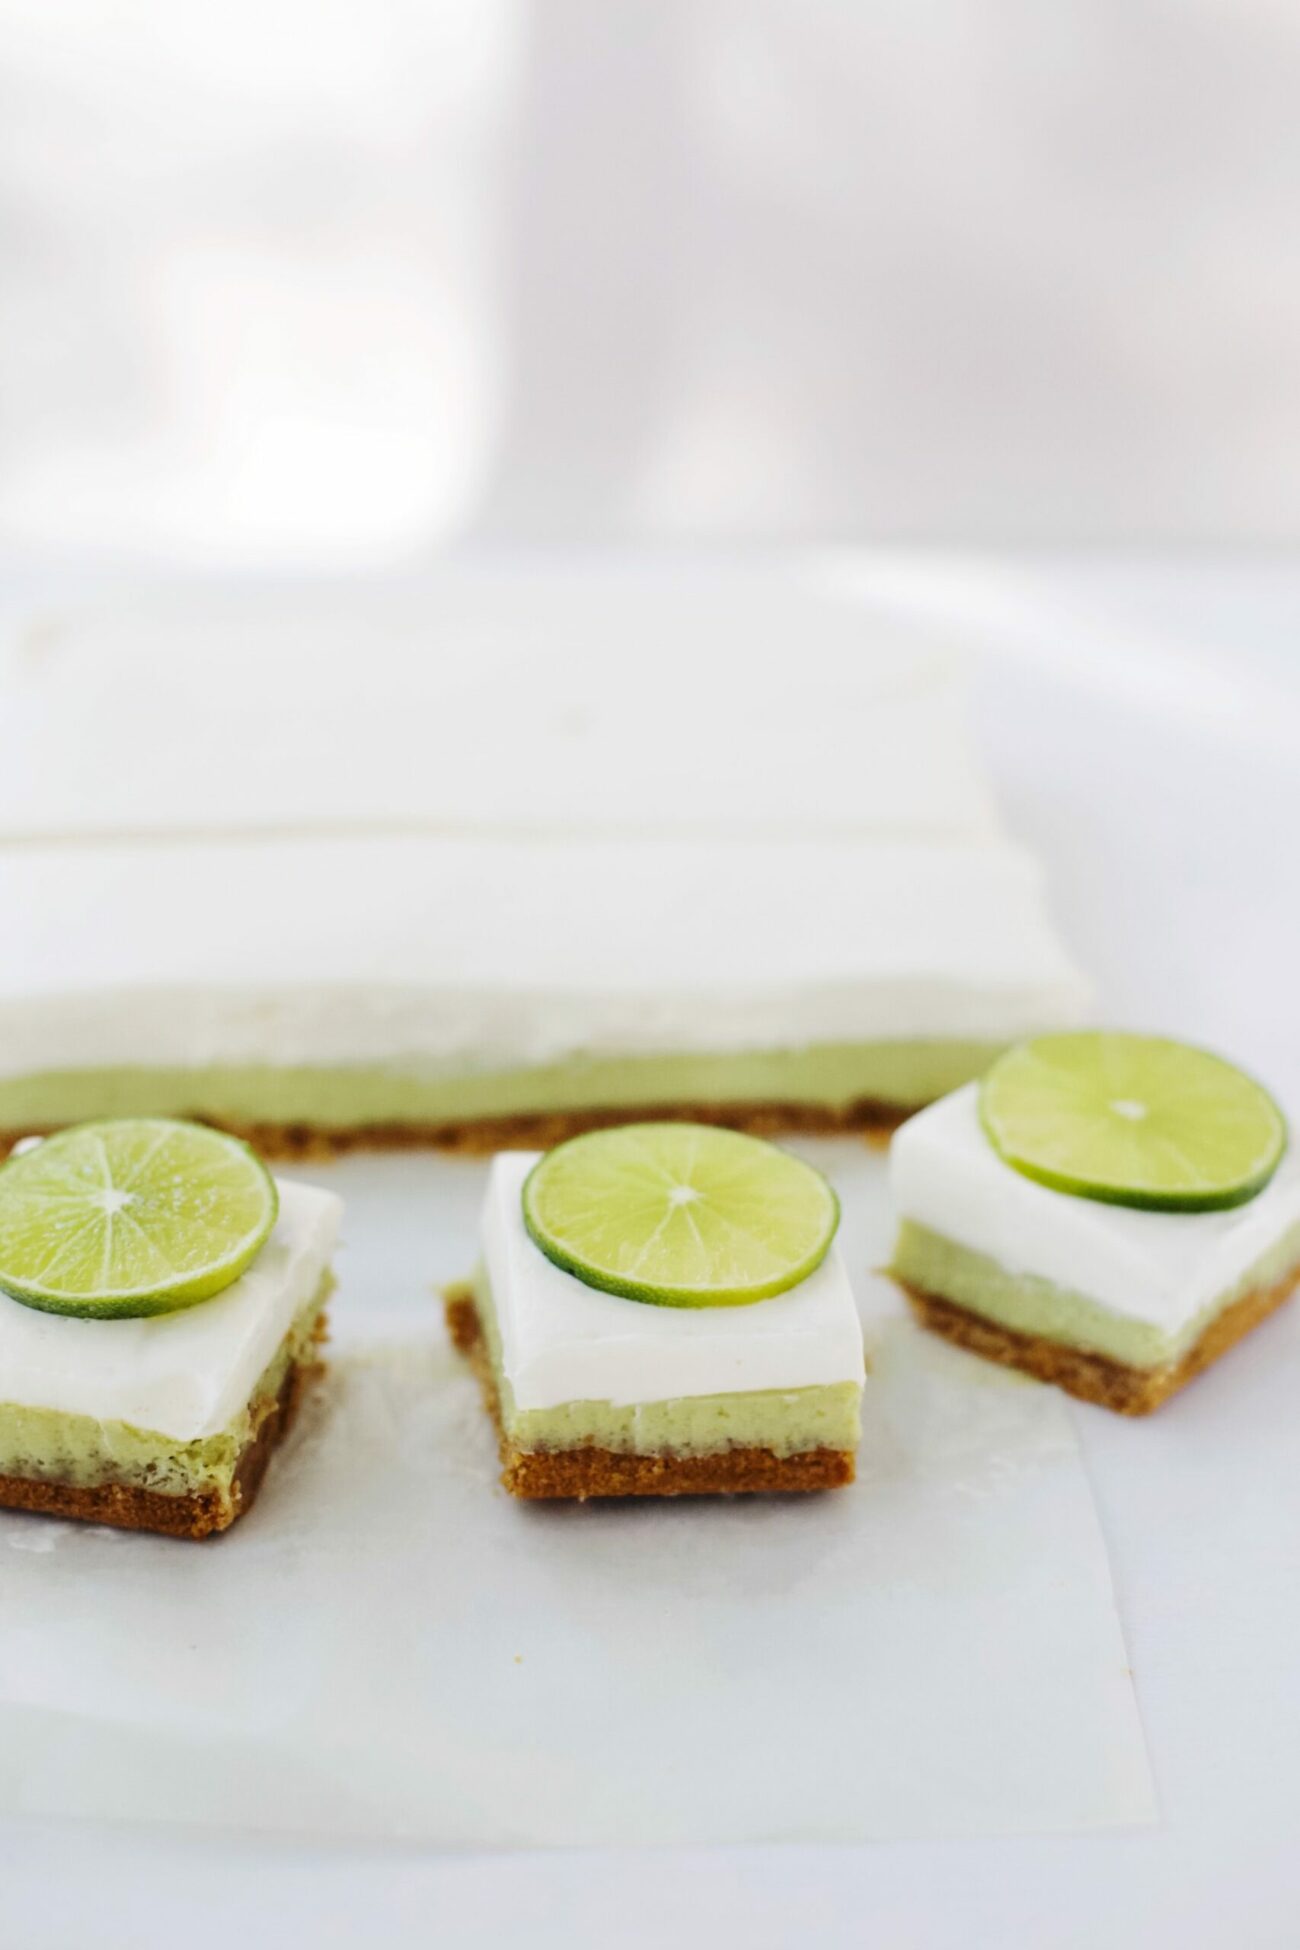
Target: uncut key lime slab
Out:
[131,1216]
[680,1215]
[1133,1120]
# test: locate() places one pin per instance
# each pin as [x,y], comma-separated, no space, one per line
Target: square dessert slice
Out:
[167,1422]
[484,993]
[596,1395]
[1118,1306]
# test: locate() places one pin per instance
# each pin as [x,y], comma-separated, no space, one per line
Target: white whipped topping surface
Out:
[450,956]
[562,1341]
[182,1375]
[1162,1268]
[486,700]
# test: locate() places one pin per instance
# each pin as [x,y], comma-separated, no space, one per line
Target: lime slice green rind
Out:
[131,1217]
[680,1215]
[1141,1121]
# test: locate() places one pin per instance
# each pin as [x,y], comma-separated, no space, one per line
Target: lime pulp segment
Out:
[132,1216]
[1133,1120]
[680,1215]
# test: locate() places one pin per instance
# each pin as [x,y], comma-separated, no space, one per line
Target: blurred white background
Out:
[330,282]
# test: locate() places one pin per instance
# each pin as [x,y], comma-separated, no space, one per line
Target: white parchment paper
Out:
[389,1646]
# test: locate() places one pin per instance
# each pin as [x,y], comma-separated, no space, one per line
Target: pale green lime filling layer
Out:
[49,1446]
[1030,1305]
[904,1074]
[788,1422]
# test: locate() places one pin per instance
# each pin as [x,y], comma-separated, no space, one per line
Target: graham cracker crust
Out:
[1095,1377]
[538,1132]
[576,1474]
[126,1507]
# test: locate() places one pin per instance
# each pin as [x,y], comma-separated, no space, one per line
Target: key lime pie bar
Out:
[661,1310]
[424,989]
[1107,1212]
[161,1303]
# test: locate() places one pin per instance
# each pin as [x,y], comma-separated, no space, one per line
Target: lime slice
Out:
[137,1216]
[1132,1120]
[680,1215]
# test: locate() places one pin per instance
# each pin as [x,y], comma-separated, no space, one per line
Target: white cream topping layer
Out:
[183,1375]
[1162,1268]
[453,956]
[562,1341]
[499,700]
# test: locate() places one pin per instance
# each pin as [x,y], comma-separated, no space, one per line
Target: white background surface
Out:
[330,283]
[1142,721]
